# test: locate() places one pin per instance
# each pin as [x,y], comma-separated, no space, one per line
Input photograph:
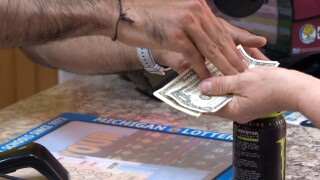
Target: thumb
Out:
[221,85]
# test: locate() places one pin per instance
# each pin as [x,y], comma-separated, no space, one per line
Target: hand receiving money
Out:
[183,94]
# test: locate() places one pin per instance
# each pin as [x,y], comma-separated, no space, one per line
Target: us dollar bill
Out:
[255,62]
[183,94]
[161,93]
[188,95]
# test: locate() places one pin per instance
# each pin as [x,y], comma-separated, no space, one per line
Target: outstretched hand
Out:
[190,28]
[249,42]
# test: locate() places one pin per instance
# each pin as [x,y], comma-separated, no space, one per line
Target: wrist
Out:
[147,60]
[132,32]
[105,18]
[308,93]
[282,89]
[293,90]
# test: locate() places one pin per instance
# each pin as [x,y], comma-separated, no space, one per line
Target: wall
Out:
[21,78]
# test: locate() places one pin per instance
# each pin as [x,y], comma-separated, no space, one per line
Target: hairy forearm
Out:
[27,22]
[86,55]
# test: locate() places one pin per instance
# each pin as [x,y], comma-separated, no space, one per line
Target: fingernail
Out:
[205,86]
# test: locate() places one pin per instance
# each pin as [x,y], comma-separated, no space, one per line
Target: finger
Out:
[183,68]
[170,58]
[194,57]
[243,37]
[223,40]
[177,62]
[228,112]
[221,85]
[225,112]
[232,111]
[227,48]
[256,53]
[210,50]
[240,63]
[249,40]
[179,66]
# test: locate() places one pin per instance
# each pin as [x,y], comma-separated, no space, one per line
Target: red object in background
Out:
[306,27]
[306,9]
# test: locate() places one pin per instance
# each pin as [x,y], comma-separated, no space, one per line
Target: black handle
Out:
[33,155]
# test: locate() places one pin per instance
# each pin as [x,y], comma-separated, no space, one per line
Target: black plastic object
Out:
[146,82]
[239,8]
[33,155]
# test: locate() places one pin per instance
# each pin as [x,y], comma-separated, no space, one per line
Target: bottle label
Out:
[259,149]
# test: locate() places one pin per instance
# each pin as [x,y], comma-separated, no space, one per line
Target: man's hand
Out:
[188,27]
[249,41]
[184,26]
[174,60]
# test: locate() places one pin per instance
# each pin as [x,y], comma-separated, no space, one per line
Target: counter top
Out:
[109,94]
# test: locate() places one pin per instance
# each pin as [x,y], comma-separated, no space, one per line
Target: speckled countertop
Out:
[104,95]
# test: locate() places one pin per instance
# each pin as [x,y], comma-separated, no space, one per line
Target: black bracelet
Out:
[122,16]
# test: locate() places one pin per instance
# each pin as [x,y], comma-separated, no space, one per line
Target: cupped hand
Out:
[256,93]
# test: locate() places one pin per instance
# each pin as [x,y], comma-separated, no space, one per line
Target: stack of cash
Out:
[183,93]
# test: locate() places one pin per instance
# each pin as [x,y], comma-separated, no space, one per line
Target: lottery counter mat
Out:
[111,148]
